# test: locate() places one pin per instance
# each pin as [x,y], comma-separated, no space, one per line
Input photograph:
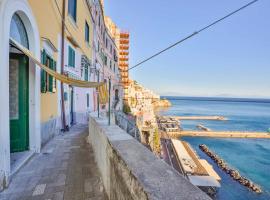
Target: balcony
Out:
[123,65]
[124,35]
[123,47]
[123,59]
[124,41]
[123,53]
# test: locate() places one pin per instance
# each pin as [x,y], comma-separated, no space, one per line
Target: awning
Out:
[102,87]
[56,75]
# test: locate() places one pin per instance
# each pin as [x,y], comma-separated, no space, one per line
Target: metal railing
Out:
[127,125]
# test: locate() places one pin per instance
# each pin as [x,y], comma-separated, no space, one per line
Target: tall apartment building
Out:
[122,42]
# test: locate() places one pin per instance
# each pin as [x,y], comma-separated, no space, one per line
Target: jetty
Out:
[219,118]
[220,134]
[232,172]
[202,127]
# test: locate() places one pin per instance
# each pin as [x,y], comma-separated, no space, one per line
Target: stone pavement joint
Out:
[64,170]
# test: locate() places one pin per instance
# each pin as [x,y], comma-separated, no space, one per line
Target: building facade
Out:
[105,56]
[121,39]
[31,105]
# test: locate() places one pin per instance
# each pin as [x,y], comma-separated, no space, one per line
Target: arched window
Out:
[18,31]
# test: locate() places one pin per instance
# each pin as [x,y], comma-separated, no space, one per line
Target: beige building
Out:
[122,42]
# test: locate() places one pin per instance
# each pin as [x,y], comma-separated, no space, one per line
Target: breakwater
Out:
[232,172]
[218,118]
[221,134]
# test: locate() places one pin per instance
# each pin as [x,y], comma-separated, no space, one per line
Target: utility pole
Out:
[98,97]
[62,65]
[109,101]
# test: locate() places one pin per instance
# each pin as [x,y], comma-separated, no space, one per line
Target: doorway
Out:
[18,102]
[71,104]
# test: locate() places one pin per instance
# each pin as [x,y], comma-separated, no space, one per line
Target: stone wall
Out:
[131,171]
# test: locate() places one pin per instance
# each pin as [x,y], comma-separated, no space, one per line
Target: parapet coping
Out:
[158,179]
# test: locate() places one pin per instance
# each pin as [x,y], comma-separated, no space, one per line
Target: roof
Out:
[204,181]
[209,169]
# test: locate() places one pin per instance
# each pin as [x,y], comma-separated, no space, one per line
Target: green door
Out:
[18,102]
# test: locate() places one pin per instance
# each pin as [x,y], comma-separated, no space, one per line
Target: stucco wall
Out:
[131,171]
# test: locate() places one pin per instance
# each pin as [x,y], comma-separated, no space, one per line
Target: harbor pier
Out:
[219,118]
[220,134]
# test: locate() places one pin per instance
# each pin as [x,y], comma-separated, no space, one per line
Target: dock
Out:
[203,128]
[219,118]
[221,134]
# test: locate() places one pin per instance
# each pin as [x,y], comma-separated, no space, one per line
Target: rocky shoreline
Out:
[232,172]
[162,103]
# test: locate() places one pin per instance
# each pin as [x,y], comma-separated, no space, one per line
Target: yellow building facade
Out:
[48,15]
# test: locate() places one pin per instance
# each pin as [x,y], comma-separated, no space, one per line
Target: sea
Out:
[251,157]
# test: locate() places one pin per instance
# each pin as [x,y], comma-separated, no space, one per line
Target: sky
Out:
[230,59]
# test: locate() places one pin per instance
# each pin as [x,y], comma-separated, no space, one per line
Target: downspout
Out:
[64,128]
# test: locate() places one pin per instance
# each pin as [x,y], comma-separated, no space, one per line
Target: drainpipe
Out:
[64,128]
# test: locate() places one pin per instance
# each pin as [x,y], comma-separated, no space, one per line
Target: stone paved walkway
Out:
[64,170]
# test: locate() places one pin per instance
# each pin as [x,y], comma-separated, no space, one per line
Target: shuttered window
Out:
[87,32]
[48,82]
[72,9]
[87,98]
[86,73]
[71,57]
[43,73]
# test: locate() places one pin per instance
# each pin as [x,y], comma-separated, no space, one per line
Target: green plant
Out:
[156,140]
[126,109]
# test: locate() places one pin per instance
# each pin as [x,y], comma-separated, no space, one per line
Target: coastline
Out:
[250,116]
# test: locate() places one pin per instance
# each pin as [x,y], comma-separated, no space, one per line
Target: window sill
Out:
[87,44]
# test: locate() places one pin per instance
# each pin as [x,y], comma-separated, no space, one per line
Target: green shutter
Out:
[86,73]
[51,63]
[54,80]
[43,73]
[73,60]
[71,57]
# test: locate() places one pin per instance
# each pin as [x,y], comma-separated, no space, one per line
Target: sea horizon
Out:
[217,98]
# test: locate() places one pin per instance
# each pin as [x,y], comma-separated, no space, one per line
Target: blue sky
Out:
[230,59]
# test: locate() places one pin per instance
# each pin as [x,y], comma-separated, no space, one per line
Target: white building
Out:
[17,21]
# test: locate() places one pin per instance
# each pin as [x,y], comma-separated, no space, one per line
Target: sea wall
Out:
[130,171]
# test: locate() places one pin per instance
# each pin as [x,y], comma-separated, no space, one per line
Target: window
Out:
[48,82]
[87,100]
[105,60]
[72,9]
[86,73]
[86,32]
[18,31]
[71,57]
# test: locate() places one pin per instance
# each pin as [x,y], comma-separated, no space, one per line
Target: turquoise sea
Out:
[250,156]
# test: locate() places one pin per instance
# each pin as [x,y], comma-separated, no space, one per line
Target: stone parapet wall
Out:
[130,171]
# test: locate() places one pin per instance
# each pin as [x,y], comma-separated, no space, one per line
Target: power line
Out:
[193,34]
